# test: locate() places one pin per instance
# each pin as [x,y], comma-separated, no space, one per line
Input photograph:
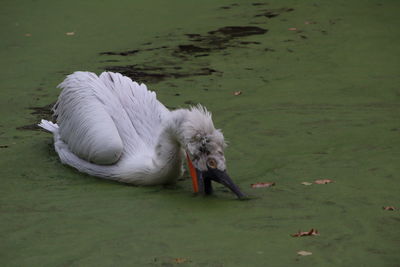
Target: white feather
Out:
[114,128]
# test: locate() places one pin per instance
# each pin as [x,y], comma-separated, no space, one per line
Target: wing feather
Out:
[141,105]
[103,118]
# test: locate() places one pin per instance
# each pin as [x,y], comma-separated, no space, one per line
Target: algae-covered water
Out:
[319,83]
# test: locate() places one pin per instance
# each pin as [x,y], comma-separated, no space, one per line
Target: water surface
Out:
[318,101]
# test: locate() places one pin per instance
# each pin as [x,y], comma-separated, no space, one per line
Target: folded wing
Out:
[104,118]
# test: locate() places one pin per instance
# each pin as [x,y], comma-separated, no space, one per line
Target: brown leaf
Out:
[180,260]
[311,232]
[292,29]
[237,93]
[306,183]
[323,181]
[389,208]
[28,34]
[304,253]
[70,33]
[259,185]
[309,22]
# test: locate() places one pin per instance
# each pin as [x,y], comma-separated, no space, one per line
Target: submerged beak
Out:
[202,180]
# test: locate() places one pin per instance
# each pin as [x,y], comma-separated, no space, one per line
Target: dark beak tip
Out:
[223,178]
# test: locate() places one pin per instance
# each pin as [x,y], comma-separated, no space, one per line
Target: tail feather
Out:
[48,125]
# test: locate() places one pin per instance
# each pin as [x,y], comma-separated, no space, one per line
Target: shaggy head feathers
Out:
[203,142]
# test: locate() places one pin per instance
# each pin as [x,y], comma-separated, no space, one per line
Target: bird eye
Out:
[212,163]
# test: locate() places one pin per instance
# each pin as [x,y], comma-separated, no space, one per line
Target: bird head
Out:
[204,147]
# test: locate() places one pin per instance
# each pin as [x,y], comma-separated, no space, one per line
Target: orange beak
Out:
[193,174]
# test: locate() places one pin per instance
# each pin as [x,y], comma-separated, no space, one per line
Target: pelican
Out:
[111,127]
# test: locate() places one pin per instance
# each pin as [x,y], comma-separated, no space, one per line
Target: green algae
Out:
[318,102]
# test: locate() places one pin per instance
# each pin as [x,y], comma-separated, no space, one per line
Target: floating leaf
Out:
[309,22]
[28,34]
[304,253]
[259,185]
[70,33]
[180,260]
[292,29]
[389,208]
[237,93]
[306,183]
[311,232]
[323,181]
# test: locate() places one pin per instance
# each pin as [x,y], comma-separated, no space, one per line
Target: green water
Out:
[318,102]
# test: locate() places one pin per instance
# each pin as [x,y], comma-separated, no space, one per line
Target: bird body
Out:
[111,127]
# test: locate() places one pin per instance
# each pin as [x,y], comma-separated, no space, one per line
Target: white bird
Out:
[111,127]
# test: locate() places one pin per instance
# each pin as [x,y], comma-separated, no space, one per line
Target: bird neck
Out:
[171,143]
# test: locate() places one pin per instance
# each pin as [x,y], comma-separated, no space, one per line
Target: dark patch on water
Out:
[140,73]
[223,38]
[245,43]
[193,35]
[130,52]
[201,45]
[272,13]
[124,53]
[197,45]
[44,112]
[109,60]
[192,49]
[155,48]
[238,31]
[268,14]
[157,74]
[29,127]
